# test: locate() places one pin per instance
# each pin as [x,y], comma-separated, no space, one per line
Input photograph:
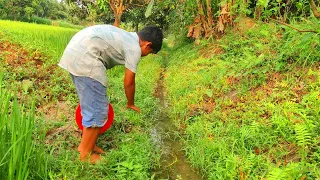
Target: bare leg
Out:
[88,141]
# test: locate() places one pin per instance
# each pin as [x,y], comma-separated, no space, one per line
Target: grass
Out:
[49,40]
[22,149]
[30,55]
[246,103]
[247,106]
[130,150]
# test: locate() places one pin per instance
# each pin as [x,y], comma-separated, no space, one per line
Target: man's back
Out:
[97,48]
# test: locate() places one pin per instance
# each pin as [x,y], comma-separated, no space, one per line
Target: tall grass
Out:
[19,156]
[50,40]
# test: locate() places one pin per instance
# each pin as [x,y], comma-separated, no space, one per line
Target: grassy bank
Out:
[248,104]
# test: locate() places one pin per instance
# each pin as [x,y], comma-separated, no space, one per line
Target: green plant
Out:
[20,155]
[39,20]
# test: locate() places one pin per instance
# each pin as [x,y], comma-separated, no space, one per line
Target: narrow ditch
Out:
[174,164]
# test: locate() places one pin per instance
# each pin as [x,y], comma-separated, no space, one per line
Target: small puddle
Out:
[174,164]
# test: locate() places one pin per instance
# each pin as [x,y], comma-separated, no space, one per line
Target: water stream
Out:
[174,164]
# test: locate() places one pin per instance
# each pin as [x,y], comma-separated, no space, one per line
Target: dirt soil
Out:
[24,65]
[29,66]
[15,56]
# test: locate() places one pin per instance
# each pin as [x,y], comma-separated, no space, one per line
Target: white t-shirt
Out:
[96,48]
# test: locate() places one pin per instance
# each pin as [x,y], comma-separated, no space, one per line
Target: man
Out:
[87,56]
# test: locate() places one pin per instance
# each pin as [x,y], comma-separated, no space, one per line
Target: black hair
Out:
[154,35]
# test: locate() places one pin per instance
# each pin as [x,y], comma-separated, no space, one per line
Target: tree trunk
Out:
[118,7]
[117,20]
[315,11]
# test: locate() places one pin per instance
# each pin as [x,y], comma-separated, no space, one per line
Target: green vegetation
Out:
[241,79]
[21,156]
[31,65]
[130,153]
[46,39]
[248,103]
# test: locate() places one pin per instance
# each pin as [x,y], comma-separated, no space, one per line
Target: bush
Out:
[33,19]
[74,20]
[68,25]
[39,20]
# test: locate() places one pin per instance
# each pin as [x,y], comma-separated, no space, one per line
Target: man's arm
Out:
[129,87]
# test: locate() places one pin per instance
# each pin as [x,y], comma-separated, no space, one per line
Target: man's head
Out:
[150,40]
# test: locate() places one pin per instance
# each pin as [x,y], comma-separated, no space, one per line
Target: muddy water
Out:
[174,164]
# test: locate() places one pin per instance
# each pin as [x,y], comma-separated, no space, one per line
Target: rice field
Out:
[38,129]
[49,40]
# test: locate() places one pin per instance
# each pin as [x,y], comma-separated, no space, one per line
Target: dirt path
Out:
[174,164]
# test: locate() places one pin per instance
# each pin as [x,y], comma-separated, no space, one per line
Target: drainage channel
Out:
[174,164]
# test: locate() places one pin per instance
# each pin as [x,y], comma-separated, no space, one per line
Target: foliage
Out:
[246,103]
[130,150]
[149,9]
[196,14]
[203,18]
[22,149]
[39,20]
[16,10]
[119,7]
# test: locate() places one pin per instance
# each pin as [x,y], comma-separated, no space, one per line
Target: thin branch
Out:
[315,11]
[112,5]
[139,5]
[301,31]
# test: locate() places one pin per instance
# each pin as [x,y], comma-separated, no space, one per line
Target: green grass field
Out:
[246,106]
[29,56]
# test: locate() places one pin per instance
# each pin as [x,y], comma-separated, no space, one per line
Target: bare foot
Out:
[95,158]
[98,150]
[84,156]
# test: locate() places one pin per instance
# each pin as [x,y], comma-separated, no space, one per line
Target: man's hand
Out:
[133,107]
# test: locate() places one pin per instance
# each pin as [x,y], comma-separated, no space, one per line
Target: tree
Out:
[118,7]
[136,16]
[25,9]
[29,11]
[92,13]
[161,13]
[204,24]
